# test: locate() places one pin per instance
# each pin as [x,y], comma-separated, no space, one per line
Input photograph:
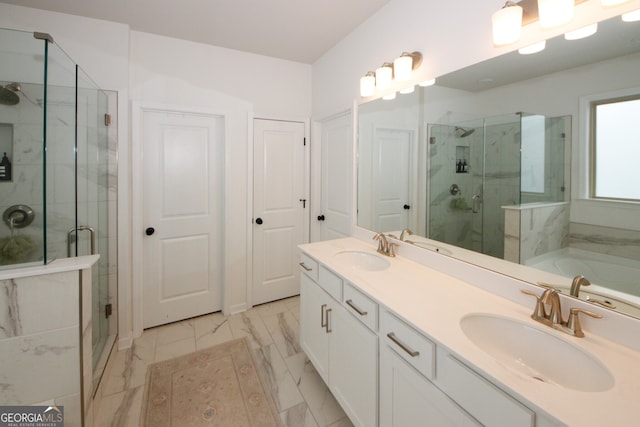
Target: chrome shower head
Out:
[462,132]
[9,94]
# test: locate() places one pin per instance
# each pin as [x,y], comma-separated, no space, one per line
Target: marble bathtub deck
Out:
[300,395]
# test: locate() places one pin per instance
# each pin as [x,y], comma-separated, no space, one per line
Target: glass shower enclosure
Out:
[479,167]
[58,174]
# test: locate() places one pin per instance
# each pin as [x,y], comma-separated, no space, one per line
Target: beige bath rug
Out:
[218,386]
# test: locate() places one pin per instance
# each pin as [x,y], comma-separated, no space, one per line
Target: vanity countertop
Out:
[435,303]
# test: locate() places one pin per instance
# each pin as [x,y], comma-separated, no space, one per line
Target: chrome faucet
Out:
[551,297]
[384,247]
[405,232]
[576,283]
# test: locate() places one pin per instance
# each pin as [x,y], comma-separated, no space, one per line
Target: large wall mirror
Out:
[494,165]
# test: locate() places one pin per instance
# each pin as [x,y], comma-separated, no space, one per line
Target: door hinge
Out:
[107,119]
[304,141]
[108,310]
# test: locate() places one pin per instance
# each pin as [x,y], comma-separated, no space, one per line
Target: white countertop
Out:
[56,266]
[435,303]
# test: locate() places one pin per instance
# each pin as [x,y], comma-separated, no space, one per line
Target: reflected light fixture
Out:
[384,74]
[534,48]
[368,84]
[581,33]
[407,90]
[507,24]
[631,16]
[612,2]
[426,83]
[554,13]
[389,96]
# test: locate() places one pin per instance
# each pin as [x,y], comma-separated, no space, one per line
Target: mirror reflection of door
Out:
[394,157]
[334,215]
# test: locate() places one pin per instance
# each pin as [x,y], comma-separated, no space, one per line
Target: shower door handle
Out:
[81,228]
[476,203]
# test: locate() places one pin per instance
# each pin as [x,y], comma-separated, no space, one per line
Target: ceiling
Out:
[296,30]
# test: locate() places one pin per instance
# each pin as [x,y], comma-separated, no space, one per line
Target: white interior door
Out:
[392,179]
[183,215]
[279,206]
[336,176]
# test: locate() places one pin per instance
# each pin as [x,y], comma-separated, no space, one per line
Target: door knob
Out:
[259,221]
[320,217]
[149,231]
[407,207]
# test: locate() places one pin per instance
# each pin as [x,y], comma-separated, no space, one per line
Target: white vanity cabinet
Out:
[407,366]
[343,348]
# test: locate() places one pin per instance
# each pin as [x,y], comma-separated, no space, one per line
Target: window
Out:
[615,148]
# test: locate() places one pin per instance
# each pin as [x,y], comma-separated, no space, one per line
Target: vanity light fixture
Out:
[534,48]
[404,65]
[368,84]
[400,71]
[632,16]
[384,75]
[426,83]
[507,24]
[582,33]
[389,96]
[554,13]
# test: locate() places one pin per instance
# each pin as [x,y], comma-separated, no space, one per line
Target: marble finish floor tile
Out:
[302,398]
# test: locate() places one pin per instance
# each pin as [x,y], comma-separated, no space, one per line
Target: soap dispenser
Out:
[5,168]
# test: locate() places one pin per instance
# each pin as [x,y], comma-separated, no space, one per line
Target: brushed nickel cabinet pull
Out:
[411,352]
[356,308]
[323,322]
[305,267]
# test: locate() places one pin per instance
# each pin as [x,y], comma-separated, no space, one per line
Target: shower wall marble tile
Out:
[40,325]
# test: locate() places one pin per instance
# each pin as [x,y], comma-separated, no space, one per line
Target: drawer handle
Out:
[327,326]
[305,267]
[356,308]
[323,323]
[412,353]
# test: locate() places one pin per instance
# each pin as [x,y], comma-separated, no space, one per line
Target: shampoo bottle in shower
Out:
[5,168]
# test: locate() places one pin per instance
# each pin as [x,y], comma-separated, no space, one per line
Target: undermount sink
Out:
[363,260]
[536,354]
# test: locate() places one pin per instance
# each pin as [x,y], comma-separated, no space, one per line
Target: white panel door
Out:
[183,215]
[336,177]
[279,206]
[392,179]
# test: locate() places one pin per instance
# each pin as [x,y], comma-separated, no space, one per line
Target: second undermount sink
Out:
[536,354]
[363,260]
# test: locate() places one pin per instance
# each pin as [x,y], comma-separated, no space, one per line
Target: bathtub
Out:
[621,276]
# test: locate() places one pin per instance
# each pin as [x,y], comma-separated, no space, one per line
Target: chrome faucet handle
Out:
[573,324]
[539,313]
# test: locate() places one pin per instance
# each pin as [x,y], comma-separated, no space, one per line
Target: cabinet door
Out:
[314,303]
[353,367]
[408,399]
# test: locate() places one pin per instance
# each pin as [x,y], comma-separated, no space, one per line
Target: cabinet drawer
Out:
[309,266]
[480,398]
[361,306]
[412,346]
[330,282]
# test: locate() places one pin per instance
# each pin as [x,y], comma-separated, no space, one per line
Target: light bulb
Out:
[507,25]
[553,13]
[383,77]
